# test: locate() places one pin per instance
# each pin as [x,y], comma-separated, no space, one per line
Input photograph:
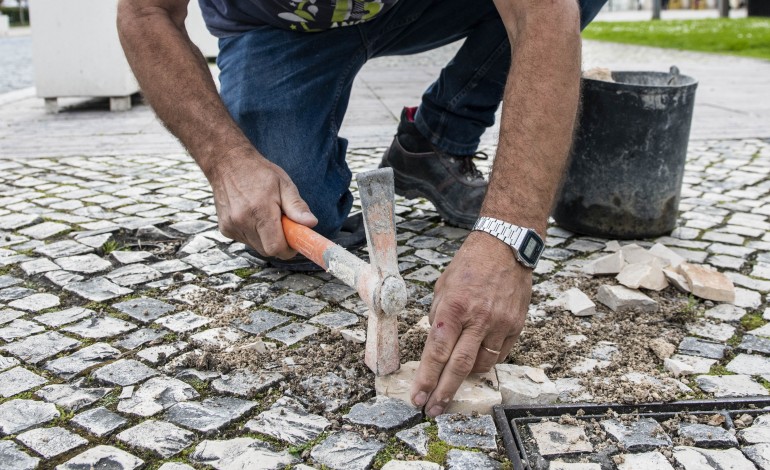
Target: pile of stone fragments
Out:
[653,269]
[634,268]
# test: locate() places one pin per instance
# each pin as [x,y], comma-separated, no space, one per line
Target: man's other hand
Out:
[250,194]
[479,305]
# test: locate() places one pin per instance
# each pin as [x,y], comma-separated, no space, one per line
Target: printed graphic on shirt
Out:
[315,15]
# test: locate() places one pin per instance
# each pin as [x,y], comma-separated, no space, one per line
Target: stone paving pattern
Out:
[102,254]
[723,440]
[84,339]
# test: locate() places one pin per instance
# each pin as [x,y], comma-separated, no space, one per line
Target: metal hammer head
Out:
[378,282]
[378,207]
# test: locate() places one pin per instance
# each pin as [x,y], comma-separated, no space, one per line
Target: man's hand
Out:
[480,301]
[250,194]
[482,298]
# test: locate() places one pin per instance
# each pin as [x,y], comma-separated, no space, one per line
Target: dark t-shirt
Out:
[231,17]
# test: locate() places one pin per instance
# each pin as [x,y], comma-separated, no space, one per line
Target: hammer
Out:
[379,284]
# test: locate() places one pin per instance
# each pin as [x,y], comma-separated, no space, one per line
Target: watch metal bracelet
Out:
[504,231]
[525,242]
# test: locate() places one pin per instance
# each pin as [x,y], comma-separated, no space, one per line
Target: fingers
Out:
[250,210]
[485,358]
[488,359]
[507,346]
[294,206]
[438,349]
[270,232]
[456,370]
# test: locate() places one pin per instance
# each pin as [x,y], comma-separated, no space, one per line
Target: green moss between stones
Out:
[393,449]
[735,340]
[752,321]
[244,273]
[719,369]
[298,450]
[764,383]
[109,246]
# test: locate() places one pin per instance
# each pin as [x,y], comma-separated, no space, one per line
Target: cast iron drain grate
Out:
[559,436]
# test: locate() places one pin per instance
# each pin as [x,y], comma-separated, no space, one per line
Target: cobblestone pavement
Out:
[118,297]
[104,264]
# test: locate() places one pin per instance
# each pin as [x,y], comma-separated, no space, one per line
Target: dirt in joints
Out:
[541,344]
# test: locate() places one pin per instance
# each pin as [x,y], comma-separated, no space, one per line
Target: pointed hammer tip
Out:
[384,372]
[385,364]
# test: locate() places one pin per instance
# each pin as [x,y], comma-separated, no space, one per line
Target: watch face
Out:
[531,248]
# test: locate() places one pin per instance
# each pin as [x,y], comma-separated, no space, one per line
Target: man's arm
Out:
[482,298]
[249,191]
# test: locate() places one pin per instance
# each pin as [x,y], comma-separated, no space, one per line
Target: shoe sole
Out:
[418,188]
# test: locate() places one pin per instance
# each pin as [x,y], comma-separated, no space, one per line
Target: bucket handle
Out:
[674,71]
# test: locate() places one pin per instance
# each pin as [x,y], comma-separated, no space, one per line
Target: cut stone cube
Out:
[522,385]
[693,458]
[635,254]
[623,299]
[730,385]
[644,461]
[758,432]
[679,281]
[704,435]
[647,276]
[759,454]
[576,302]
[707,283]
[609,264]
[699,365]
[354,336]
[662,251]
[678,368]
[479,392]
[555,439]
[749,364]
[643,435]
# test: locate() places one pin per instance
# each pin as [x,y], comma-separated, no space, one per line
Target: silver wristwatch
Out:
[526,243]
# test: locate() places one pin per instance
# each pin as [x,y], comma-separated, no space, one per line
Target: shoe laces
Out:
[468,167]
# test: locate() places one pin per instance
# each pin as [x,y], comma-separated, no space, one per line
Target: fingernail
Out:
[435,411]
[420,399]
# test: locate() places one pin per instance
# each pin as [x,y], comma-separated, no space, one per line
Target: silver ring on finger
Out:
[489,350]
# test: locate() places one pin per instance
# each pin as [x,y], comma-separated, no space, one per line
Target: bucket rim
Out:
[691,81]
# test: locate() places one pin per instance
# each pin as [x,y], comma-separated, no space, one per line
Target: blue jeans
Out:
[288,91]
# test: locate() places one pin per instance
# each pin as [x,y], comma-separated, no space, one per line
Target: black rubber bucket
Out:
[625,176]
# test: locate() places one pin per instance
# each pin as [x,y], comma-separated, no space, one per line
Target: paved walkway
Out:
[731,103]
[133,333]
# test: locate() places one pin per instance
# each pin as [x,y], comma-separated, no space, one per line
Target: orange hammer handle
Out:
[306,241]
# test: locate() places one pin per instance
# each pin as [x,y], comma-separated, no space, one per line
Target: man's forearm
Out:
[175,79]
[539,110]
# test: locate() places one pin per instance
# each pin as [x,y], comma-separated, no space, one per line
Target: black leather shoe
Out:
[351,236]
[451,182]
